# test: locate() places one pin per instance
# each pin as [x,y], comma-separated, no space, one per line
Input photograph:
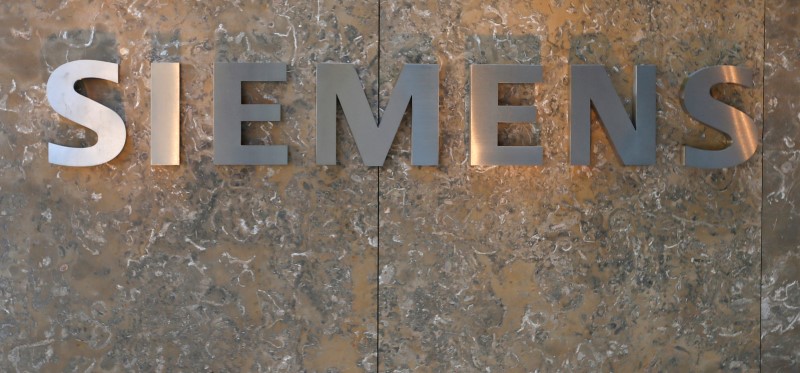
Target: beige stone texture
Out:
[564,268]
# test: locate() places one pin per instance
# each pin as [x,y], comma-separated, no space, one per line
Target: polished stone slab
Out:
[563,268]
[127,267]
[780,302]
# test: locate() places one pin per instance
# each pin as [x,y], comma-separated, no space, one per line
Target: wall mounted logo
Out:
[418,86]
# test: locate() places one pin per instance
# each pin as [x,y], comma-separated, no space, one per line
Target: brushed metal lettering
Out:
[109,127]
[634,143]
[229,113]
[738,126]
[486,113]
[165,133]
[418,85]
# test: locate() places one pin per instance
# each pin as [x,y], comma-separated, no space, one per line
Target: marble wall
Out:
[197,267]
[127,267]
[559,267]
[780,297]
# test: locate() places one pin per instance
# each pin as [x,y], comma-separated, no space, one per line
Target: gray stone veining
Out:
[127,267]
[562,268]
[780,302]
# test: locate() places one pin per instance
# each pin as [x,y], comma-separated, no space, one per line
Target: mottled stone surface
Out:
[780,303]
[562,268]
[127,267]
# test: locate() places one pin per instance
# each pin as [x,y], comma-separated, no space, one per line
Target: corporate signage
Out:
[418,86]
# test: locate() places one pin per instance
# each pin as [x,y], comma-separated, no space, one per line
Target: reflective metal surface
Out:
[105,122]
[486,113]
[165,133]
[229,113]
[417,85]
[737,125]
[635,143]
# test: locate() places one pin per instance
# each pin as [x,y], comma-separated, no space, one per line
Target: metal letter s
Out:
[735,124]
[105,122]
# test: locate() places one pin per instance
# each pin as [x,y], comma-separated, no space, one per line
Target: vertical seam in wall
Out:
[763,159]
[378,273]
[378,197]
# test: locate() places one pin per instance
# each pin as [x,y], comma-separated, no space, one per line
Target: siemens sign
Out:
[418,86]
